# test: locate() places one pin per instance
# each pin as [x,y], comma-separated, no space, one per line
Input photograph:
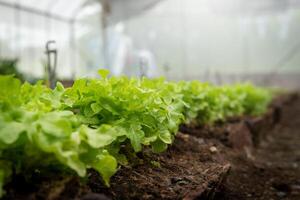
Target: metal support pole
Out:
[72,44]
[105,42]
[17,21]
[104,25]
[51,66]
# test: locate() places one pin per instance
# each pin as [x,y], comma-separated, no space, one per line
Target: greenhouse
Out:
[149,99]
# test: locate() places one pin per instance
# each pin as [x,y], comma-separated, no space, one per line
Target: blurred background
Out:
[208,40]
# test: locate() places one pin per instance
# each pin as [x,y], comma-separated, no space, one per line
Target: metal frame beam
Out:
[35,11]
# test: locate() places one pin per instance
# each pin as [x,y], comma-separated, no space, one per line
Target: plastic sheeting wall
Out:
[23,35]
[192,39]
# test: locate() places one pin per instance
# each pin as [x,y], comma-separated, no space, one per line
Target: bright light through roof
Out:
[90,9]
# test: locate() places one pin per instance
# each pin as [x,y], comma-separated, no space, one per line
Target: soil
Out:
[244,158]
[274,170]
[185,170]
[191,167]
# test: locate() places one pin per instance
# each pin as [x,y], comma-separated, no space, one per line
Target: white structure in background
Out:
[231,37]
[146,63]
[119,49]
[77,26]
[124,58]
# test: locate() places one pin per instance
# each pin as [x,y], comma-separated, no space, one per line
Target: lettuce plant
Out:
[87,125]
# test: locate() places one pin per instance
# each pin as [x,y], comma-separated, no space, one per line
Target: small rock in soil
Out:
[213,149]
[281,194]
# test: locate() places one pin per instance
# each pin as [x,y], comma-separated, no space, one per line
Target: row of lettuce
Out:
[88,125]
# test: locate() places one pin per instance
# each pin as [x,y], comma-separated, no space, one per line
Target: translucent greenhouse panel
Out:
[24,34]
[31,34]
[195,38]
[160,35]
[89,44]
[61,35]
[7,33]
[61,8]
[67,9]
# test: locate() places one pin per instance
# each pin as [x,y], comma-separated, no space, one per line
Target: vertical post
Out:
[17,21]
[183,41]
[104,25]
[72,45]
[246,55]
[51,66]
[104,39]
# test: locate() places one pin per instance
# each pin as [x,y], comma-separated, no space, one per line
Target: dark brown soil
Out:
[274,170]
[185,170]
[245,158]
[190,168]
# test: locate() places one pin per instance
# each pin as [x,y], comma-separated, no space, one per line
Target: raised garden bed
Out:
[194,167]
[195,164]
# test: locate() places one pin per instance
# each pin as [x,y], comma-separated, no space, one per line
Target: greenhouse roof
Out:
[57,9]
[67,11]
[253,7]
